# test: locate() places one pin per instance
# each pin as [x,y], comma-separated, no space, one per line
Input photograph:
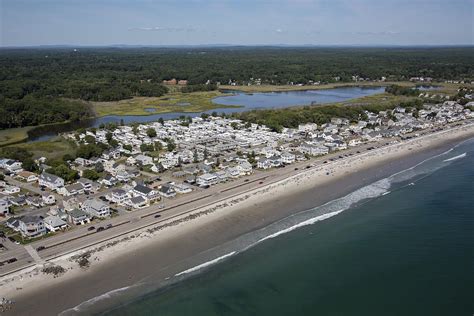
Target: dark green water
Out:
[410,252]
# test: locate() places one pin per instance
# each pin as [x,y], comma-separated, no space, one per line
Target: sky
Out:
[242,22]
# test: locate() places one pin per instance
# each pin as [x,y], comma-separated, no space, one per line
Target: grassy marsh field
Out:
[174,101]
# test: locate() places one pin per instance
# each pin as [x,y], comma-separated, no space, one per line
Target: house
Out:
[206,179]
[10,189]
[54,223]
[48,198]
[96,208]
[31,226]
[70,203]
[27,176]
[233,172]
[4,205]
[182,188]
[86,184]
[78,217]
[137,202]
[143,160]
[72,189]
[50,181]
[108,181]
[34,201]
[123,176]
[264,163]
[145,192]
[118,196]
[18,201]
[167,190]
[245,167]
[13,166]
[313,150]
[288,158]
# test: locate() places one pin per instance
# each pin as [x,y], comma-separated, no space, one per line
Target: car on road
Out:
[100,229]
[296,168]
[12,260]
[40,248]
[109,226]
[246,180]
[307,167]
[157,215]
[91,228]
[260,182]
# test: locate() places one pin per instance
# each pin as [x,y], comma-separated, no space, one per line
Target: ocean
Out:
[401,246]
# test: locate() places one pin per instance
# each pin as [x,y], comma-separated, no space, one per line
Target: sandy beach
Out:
[173,247]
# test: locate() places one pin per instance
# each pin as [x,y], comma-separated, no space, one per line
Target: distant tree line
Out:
[37,85]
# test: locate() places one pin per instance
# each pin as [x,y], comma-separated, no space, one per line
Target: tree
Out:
[195,156]
[89,139]
[158,146]
[171,145]
[151,132]
[161,121]
[99,167]
[30,165]
[234,125]
[68,157]
[128,147]
[109,136]
[2,176]
[90,174]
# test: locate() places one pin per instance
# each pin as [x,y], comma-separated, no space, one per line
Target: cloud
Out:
[163,29]
[279,30]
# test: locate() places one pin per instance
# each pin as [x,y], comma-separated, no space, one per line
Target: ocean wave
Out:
[205,264]
[84,305]
[455,158]
[310,221]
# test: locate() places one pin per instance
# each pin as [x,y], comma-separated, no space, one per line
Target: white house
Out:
[96,208]
[288,158]
[4,205]
[27,176]
[78,217]
[145,192]
[31,226]
[50,181]
[167,191]
[48,199]
[137,202]
[54,223]
[118,196]
[11,189]
[206,179]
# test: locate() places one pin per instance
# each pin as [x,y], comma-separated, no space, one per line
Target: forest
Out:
[44,85]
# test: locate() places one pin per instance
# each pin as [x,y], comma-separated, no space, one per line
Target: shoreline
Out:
[186,241]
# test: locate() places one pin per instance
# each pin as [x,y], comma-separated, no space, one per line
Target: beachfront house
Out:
[50,181]
[54,223]
[118,196]
[78,217]
[31,226]
[206,179]
[96,208]
[137,202]
[167,191]
[145,192]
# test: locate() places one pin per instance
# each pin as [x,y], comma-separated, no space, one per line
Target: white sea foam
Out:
[94,300]
[455,158]
[304,223]
[205,264]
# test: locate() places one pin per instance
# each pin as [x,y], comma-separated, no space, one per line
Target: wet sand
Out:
[178,248]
